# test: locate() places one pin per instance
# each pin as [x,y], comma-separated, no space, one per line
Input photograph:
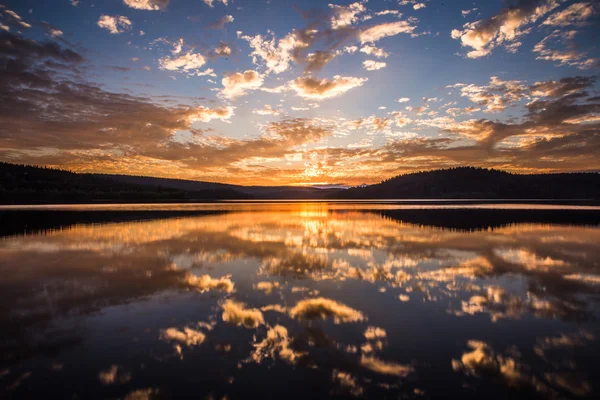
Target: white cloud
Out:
[177,46]
[374,51]
[381,31]
[319,89]
[16,18]
[575,14]
[496,96]
[187,62]
[237,83]
[152,5]
[388,12]
[267,110]
[502,29]
[372,65]
[467,12]
[276,54]
[569,56]
[345,15]
[114,24]
[418,6]
[403,100]
[222,50]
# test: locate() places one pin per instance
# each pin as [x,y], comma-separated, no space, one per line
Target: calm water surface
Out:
[300,300]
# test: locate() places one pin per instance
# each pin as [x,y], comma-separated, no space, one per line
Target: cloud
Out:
[189,62]
[319,89]
[235,312]
[114,24]
[237,84]
[276,54]
[455,111]
[575,14]
[321,308]
[371,65]
[562,87]
[371,123]
[220,23]
[464,13]
[222,50]
[374,51]
[317,60]
[497,95]
[389,12]
[343,16]
[502,29]
[51,30]
[71,115]
[210,3]
[416,4]
[564,57]
[12,17]
[178,46]
[403,100]
[268,110]
[377,32]
[152,5]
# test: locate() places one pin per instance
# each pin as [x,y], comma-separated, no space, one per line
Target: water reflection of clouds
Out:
[507,368]
[553,273]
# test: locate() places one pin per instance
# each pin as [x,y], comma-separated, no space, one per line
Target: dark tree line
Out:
[472,183]
[25,184]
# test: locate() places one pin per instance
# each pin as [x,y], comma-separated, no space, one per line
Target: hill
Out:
[255,192]
[23,184]
[480,183]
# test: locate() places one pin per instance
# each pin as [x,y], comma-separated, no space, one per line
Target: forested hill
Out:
[478,183]
[22,184]
[255,192]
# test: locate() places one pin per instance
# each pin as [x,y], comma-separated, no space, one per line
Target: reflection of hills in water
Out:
[15,222]
[481,219]
[272,274]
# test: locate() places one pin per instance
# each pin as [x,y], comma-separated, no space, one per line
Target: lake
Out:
[300,300]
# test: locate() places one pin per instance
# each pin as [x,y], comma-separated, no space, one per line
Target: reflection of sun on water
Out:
[409,263]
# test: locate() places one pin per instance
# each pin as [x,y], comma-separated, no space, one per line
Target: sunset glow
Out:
[275,93]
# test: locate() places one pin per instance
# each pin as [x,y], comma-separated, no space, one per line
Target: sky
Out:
[303,92]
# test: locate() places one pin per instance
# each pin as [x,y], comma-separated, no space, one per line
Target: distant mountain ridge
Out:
[258,192]
[22,184]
